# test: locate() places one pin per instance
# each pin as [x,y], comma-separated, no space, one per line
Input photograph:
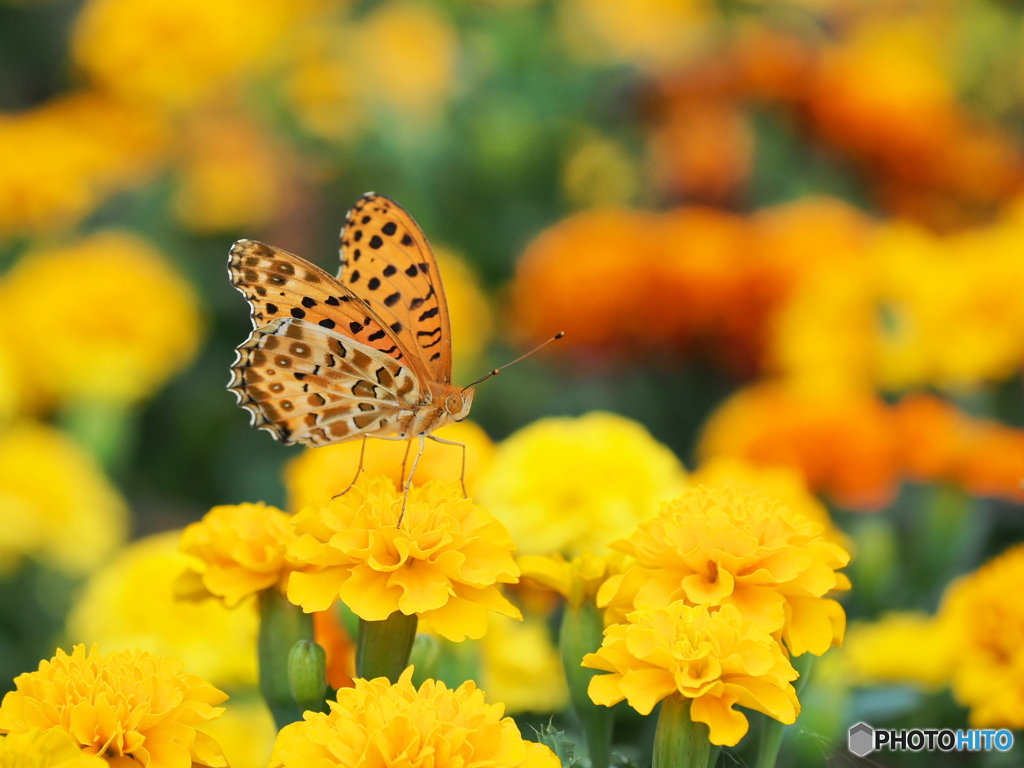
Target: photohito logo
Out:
[863,739]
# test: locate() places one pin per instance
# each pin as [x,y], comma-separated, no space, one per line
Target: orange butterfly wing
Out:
[278,284]
[386,259]
[308,384]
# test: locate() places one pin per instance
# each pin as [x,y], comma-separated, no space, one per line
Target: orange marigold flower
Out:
[940,443]
[124,704]
[236,551]
[732,546]
[983,616]
[48,748]
[380,724]
[929,430]
[444,563]
[842,442]
[603,306]
[717,658]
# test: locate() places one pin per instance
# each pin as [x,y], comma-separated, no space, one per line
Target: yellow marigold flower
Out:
[141,323]
[407,54]
[56,505]
[237,551]
[732,546]
[784,483]
[245,731]
[577,580]
[655,33]
[983,616]
[48,748]
[718,659]
[899,647]
[231,175]
[318,474]
[521,666]
[600,172]
[380,724]
[125,704]
[63,158]
[572,485]
[443,564]
[954,318]
[175,54]
[130,603]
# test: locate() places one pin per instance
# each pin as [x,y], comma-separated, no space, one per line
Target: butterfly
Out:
[365,354]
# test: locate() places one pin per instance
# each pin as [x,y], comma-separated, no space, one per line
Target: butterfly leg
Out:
[408,483]
[359,469]
[462,477]
[405,458]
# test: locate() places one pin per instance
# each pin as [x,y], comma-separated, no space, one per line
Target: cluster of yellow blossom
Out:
[118,321]
[131,602]
[716,658]
[87,710]
[63,158]
[716,586]
[122,704]
[975,644]
[376,723]
[57,506]
[236,552]
[47,748]
[443,564]
[399,59]
[572,485]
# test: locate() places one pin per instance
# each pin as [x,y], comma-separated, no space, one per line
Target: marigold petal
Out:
[604,689]
[726,725]
[316,591]
[424,588]
[644,688]
[458,619]
[755,693]
[369,595]
[814,625]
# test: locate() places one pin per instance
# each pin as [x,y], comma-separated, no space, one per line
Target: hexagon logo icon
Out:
[861,739]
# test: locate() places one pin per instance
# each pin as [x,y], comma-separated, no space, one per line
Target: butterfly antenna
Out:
[499,369]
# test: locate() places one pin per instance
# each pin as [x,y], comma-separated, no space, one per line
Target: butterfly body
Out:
[363,354]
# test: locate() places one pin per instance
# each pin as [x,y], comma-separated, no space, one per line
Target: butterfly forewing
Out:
[308,384]
[279,285]
[387,262]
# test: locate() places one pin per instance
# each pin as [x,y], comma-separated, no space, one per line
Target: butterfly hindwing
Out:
[308,384]
[387,261]
[279,284]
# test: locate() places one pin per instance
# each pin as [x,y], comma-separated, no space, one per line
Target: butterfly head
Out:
[457,404]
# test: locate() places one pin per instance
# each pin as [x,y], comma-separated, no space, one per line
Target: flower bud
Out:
[307,675]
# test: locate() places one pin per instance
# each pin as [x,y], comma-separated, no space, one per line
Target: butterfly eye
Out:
[453,403]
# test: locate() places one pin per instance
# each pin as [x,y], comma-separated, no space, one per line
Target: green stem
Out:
[581,633]
[282,625]
[679,742]
[383,647]
[104,428]
[772,731]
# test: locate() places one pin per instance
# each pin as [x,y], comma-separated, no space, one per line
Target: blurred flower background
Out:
[785,240]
